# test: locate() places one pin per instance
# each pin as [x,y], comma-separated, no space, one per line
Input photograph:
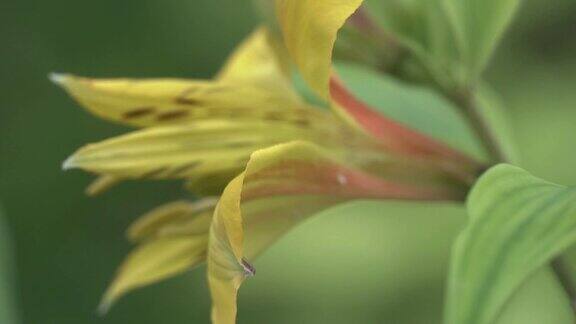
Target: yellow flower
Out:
[250,138]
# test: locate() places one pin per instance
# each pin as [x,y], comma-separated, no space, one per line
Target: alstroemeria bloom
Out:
[282,158]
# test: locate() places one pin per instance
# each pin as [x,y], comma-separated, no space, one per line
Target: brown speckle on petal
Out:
[274,116]
[138,112]
[172,115]
[188,101]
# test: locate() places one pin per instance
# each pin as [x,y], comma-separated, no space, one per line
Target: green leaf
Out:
[478,26]
[414,106]
[518,223]
[7,302]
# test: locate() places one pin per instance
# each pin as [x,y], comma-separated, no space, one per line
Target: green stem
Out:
[466,100]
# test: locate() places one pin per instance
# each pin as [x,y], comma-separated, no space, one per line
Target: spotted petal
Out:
[151,102]
[254,76]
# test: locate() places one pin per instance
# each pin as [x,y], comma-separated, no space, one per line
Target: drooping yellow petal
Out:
[172,238]
[260,61]
[154,261]
[310,28]
[292,181]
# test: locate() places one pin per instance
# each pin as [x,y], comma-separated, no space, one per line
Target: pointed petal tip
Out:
[57,78]
[68,164]
[103,308]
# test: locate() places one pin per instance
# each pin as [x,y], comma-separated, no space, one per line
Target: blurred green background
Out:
[370,263]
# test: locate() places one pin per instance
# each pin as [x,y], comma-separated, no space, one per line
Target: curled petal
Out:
[292,181]
[310,28]
[281,186]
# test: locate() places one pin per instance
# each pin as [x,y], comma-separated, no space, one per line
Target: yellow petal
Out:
[167,101]
[153,261]
[291,182]
[283,185]
[172,239]
[203,148]
[226,268]
[310,28]
[260,61]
